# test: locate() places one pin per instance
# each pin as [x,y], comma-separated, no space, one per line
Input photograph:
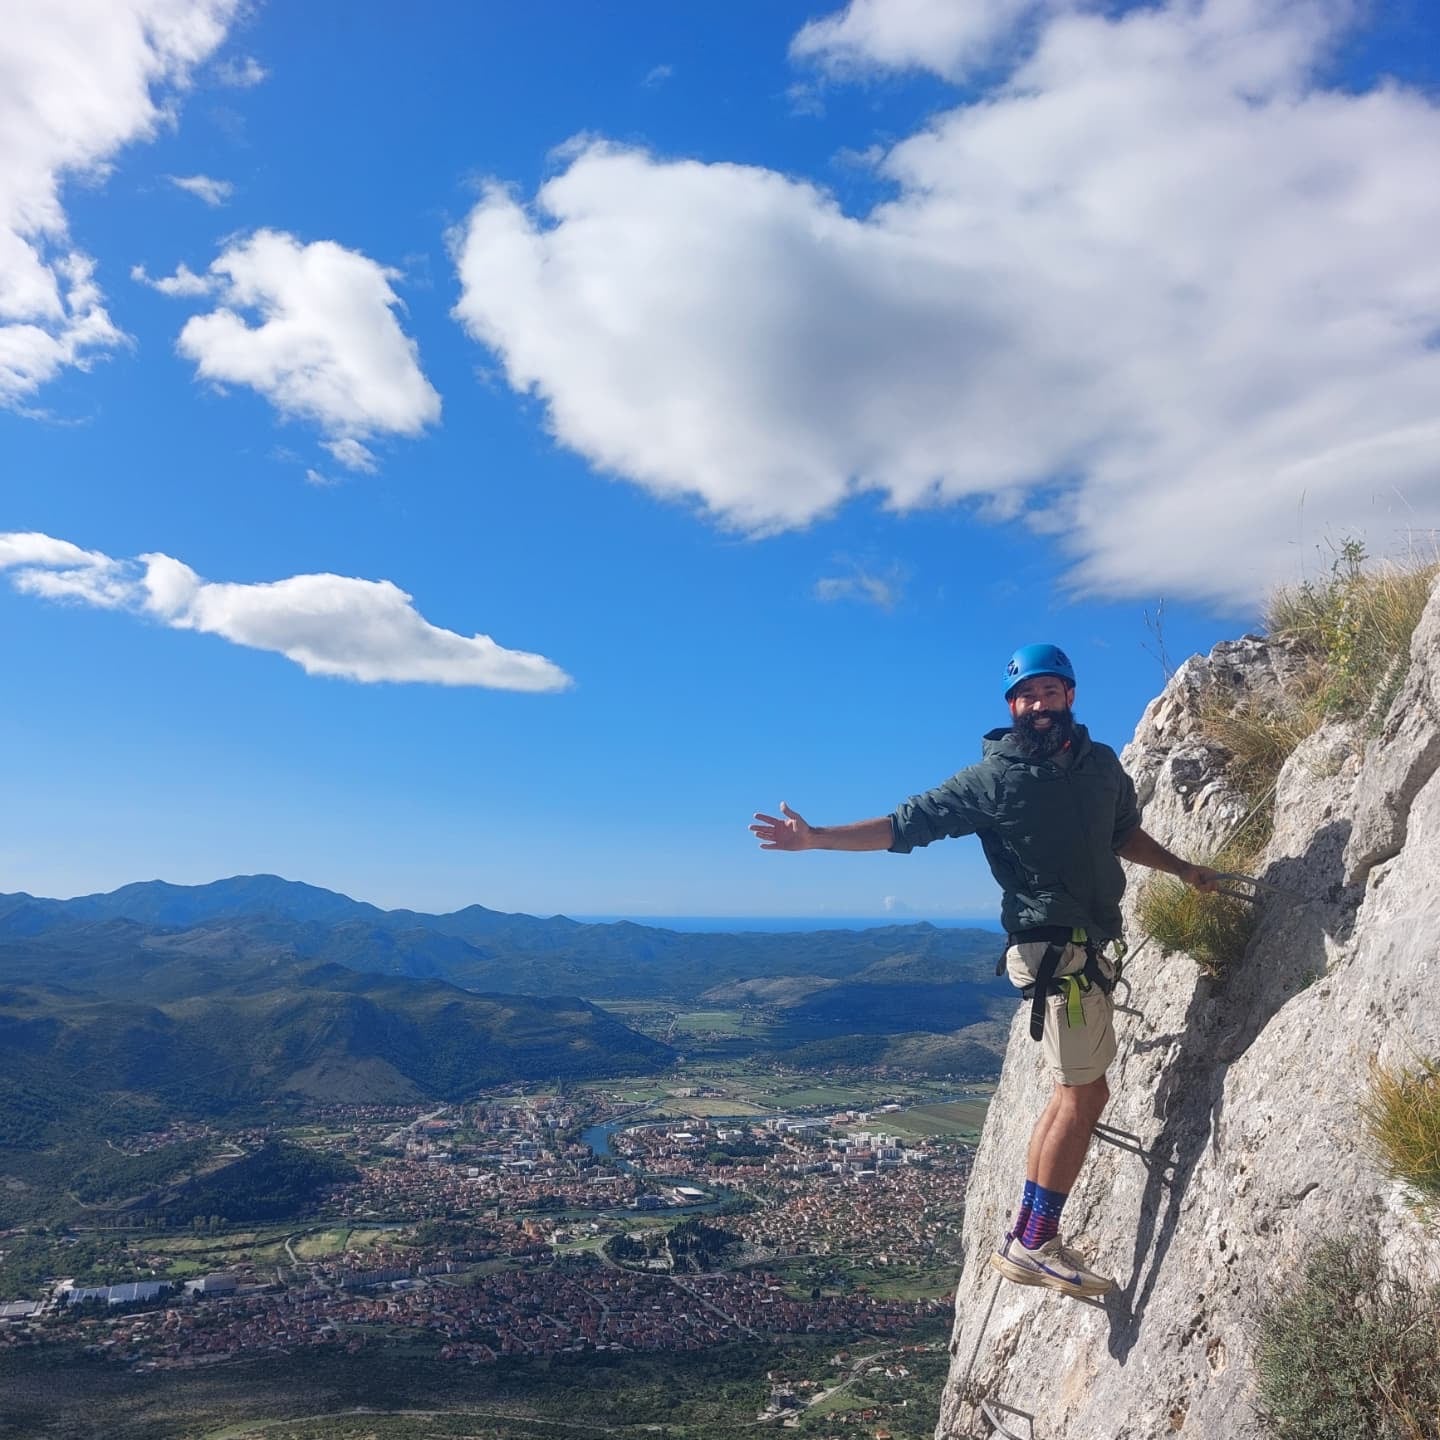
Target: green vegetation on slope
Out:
[278,1181]
[712,1394]
[1351,1349]
[81,1063]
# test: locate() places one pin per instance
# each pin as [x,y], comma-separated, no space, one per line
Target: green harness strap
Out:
[1075,987]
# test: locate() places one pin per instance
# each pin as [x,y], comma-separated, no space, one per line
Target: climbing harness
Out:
[1074,987]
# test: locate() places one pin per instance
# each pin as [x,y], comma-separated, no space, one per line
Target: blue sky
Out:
[756,377]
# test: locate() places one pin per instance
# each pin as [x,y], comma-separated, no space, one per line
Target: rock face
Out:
[1232,1141]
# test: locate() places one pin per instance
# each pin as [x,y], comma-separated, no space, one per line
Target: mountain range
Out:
[158,1000]
[257,917]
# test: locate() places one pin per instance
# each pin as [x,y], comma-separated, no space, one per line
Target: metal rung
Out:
[1235,887]
[988,1409]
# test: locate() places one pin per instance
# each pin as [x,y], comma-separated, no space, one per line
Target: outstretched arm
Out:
[792,833]
[1144,849]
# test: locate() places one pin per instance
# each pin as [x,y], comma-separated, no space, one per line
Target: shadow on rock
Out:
[1224,1017]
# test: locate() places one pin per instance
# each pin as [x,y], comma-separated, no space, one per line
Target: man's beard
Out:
[1036,744]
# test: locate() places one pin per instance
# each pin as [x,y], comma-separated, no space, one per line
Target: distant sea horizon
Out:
[785,924]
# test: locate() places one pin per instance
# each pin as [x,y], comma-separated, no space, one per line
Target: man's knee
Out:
[1086,1101]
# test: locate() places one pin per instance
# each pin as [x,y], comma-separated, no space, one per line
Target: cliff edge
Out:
[1232,1142]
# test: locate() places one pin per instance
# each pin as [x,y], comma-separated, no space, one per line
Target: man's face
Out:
[1041,708]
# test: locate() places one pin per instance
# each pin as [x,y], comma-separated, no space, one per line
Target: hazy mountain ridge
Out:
[250,916]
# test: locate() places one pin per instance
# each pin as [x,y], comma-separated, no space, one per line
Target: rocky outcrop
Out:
[1231,1142]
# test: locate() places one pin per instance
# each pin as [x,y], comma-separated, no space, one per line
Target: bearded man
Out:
[1053,810]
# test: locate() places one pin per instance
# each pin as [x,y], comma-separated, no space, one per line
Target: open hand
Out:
[791,833]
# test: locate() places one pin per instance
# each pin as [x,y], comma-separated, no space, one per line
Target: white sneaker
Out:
[1054,1265]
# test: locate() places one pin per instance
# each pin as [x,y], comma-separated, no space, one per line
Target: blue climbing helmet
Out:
[1031,660]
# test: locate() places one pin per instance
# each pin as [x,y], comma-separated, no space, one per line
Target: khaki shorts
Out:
[1076,1054]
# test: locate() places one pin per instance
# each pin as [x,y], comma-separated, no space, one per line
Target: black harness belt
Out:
[1046,982]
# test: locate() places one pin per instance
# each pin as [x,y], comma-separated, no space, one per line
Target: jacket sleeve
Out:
[1127,810]
[956,807]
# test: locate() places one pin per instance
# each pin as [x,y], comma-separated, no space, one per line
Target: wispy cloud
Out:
[366,630]
[864,585]
[81,82]
[212,192]
[324,343]
[805,99]
[352,455]
[1153,285]
[242,72]
[657,75]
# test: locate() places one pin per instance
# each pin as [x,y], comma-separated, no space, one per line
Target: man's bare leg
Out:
[1039,1133]
[1062,1134]
[1057,1151]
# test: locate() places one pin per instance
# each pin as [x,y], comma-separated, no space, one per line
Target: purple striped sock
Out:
[1044,1221]
[1022,1215]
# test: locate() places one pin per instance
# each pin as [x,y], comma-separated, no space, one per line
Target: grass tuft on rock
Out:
[1213,929]
[1261,738]
[1401,1113]
[1350,1349]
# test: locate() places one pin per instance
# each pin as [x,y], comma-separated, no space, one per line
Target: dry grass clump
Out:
[1213,929]
[1260,739]
[1352,631]
[1350,1349]
[1401,1113]
[1356,626]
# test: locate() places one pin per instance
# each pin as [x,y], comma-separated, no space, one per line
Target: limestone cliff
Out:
[1234,1141]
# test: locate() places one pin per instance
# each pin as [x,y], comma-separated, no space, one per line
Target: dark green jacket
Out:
[1049,831]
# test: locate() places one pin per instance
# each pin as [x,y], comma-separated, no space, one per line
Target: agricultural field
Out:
[961,1118]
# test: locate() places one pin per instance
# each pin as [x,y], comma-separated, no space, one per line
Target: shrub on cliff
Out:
[1213,929]
[1401,1111]
[1350,1350]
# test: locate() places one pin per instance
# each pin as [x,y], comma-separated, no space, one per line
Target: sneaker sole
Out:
[1023,1275]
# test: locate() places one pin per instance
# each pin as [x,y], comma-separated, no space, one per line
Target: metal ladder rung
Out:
[988,1409]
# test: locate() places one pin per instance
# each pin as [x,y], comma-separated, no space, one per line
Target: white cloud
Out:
[80,81]
[59,570]
[184,282]
[325,345]
[937,35]
[240,73]
[1153,294]
[212,192]
[657,75]
[367,630]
